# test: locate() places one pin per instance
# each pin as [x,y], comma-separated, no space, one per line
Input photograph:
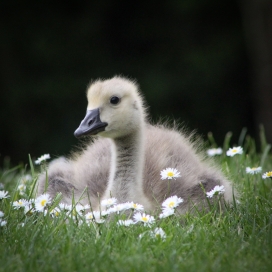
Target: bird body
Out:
[126,159]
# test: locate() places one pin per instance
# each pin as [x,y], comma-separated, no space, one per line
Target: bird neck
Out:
[126,175]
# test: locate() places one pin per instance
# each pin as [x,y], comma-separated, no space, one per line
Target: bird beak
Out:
[91,124]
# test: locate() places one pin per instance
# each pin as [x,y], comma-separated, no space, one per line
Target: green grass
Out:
[240,239]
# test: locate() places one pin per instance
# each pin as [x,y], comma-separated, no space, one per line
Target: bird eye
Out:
[114,100]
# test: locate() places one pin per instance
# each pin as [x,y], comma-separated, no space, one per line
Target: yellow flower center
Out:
[20,202]
[269,174]
[56,213]
[135,206]
[170,174]
[43,202]
[253,168]
[234,150]
[171,204]
[144,219]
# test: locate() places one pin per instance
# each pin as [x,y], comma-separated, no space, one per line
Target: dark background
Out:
[205,63]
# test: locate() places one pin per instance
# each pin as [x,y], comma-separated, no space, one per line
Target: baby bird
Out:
[128,154]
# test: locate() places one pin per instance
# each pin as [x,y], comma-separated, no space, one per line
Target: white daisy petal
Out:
[22,187]
[28,209]
[95,216]
[217,190]
[109,202]
[42,158]
[89,216]
[166,212]
[56,212]
[86,207]
[125,222]
[158,233]
[79,208]
[4,194]
[64,206]
[214,151]
[3,223]
[118,208]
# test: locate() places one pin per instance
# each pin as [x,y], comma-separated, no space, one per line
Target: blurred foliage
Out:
[188,57]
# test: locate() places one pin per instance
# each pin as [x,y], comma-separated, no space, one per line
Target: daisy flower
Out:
[1,214]
[125,222]
[19,204]
[217,190]
[118,208]
[155,234]
[41,202]
[170,173]
[86,207]
[4,194]
[104,212]
[74,210]
[145,218]
[31,201]
[142,234]
[267,175]
[172,202]
[158,233]
[21,187]
[253,170]
[166,212]
[235,150]
[42,158]
[63,206]
[2,223]
[89,216]
[78,208]
[25,179]
[135,206]
[109,202]
[214,151]
[29,209]
[55,212]
[94,216]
